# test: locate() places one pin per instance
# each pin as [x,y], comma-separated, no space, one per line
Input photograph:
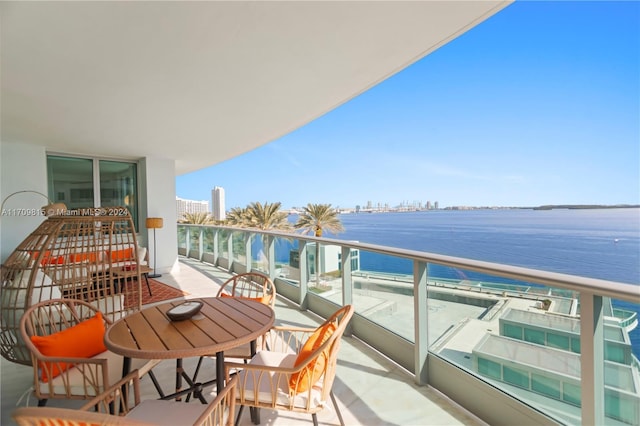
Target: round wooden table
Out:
[221,324]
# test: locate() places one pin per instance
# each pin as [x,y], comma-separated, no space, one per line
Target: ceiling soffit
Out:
[202,82]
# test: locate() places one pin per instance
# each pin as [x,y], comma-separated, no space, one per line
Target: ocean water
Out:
[596,243]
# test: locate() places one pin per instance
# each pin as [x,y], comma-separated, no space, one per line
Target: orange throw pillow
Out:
[302,380]
[83,340]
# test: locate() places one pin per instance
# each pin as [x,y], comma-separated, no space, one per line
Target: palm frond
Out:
[198,218]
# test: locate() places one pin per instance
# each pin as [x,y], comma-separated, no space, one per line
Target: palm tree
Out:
[267,216]
[198,218]
[237,216]
[257,215]
[316,218]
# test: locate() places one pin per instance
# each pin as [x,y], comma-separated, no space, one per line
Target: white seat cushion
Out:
[142,253]
[76,379]
[268,383]
[169,413]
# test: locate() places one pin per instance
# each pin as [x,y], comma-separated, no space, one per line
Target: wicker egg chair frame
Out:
[72,255]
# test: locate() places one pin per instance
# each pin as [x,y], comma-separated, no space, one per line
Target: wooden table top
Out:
[221,324]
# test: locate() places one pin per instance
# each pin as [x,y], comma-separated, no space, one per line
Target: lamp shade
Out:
[154,222]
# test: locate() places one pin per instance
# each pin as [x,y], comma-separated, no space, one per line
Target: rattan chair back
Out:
[252,285]
[53,316]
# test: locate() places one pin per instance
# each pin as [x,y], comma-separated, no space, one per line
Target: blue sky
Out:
[540,104]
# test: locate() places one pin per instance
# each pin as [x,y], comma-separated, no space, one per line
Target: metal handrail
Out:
[605,288]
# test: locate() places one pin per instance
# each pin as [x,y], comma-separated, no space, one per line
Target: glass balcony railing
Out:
[557,344]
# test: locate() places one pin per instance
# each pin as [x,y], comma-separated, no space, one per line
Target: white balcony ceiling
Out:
[202,82]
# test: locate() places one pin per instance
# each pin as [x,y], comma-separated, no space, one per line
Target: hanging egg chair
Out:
[72,254]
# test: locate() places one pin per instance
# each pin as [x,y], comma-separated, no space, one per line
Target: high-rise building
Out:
[217,204]
[191,206]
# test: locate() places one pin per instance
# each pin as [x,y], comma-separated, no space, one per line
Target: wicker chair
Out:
[297,373]
[252,285]
[132,411]
[71,256]
[75,364]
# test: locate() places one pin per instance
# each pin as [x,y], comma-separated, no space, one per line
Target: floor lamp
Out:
[154,223]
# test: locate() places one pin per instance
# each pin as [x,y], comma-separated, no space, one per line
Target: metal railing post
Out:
[271,256]
[347,281]
[248,237]
[230,251]
[216,251]
[187,235]
[592,358]
[421,348]
[304,274]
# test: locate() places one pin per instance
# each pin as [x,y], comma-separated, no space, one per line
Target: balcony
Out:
[470,332]
[511,345]
[364,381]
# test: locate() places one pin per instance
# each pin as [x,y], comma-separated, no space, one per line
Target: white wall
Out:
[22,167]
[159,177]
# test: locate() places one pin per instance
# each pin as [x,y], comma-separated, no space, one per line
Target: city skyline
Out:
[195,206]
[537,105]
[184,205]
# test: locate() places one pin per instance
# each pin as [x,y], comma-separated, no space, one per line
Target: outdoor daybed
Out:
[69,256]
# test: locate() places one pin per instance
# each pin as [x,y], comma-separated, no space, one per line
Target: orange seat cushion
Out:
[83,257]
[83,340]
[47,258]
[121,255]
[36,253]
[305,378]
[52,260]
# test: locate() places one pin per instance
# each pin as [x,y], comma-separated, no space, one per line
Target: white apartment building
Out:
[191,206]
[217,203]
